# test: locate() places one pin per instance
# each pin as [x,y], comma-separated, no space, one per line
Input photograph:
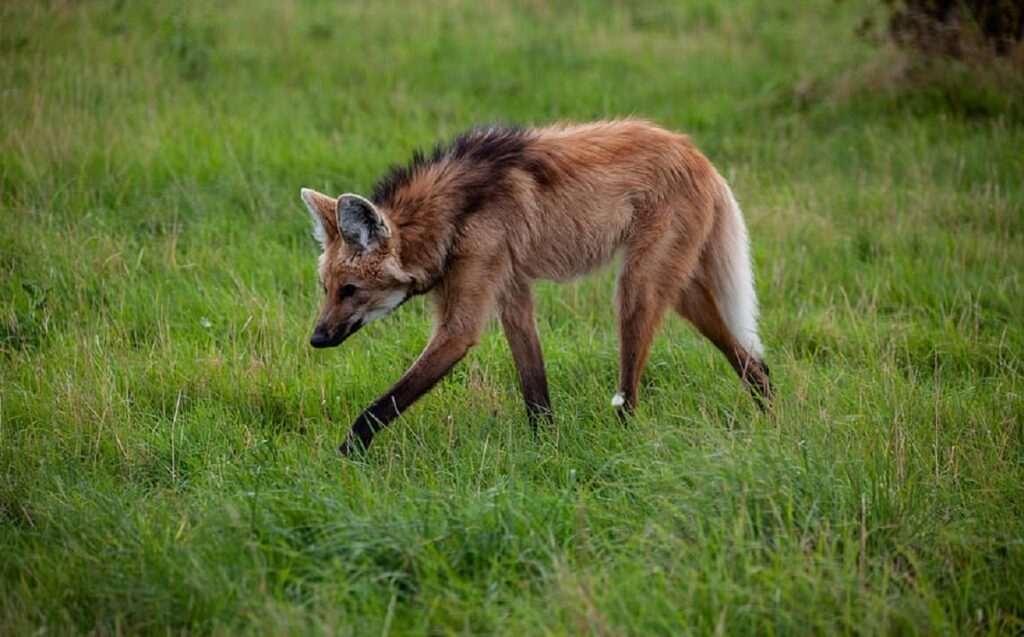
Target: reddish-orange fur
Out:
[476,224]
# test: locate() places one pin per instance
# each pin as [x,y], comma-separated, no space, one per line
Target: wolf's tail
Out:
[733,275]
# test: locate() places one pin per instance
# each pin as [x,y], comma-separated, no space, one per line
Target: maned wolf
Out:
[478,220]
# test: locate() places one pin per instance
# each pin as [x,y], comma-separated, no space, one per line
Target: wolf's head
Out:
[359,269]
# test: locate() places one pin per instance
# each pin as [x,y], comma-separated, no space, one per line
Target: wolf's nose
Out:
[319,338]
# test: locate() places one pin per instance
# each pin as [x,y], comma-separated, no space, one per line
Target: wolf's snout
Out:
[326,337]
[320,338]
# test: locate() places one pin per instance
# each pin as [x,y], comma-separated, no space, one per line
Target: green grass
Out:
[167,437]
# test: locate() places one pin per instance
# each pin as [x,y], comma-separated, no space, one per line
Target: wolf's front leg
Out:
[517,319]
[462,302]
[441,354]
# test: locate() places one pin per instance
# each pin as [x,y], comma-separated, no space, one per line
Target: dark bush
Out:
[956,28]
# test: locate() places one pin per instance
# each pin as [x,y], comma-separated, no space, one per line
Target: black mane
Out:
[493,149]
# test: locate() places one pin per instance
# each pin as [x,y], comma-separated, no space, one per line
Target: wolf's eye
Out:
[346,291]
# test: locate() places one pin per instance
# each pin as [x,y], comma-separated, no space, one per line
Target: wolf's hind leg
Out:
[640,311]
[658,260]
[699,306]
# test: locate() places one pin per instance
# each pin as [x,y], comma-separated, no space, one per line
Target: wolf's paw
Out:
[622,407]
[352,448]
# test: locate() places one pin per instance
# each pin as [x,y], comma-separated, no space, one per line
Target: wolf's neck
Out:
[427,216]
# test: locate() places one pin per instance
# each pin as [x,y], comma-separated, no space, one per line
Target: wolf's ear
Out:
[322,209]
[361,224]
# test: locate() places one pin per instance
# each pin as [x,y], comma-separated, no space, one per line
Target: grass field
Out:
[168,439]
